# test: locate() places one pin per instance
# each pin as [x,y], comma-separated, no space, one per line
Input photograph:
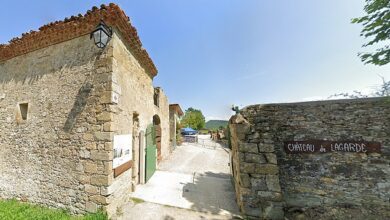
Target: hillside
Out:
[215,124]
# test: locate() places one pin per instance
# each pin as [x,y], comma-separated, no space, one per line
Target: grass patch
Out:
[137,200]
[14,210]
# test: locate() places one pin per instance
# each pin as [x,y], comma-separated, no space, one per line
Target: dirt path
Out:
[194,183]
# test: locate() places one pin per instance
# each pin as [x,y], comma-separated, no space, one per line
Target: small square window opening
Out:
[23,107]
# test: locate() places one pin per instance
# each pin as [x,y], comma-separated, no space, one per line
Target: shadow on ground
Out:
[211,193]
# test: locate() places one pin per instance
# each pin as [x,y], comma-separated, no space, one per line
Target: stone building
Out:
[175,114]
[80,126]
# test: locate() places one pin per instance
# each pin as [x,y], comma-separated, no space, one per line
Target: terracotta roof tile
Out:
[76,26]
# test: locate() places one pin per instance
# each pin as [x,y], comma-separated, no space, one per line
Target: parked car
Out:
[188,131]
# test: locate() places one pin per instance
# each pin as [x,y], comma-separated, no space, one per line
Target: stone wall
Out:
[79,97]
[136,95]
[49,158]
[175,114]
[334,185]
[172,129]
[163,112]
[255,173]
[134,88]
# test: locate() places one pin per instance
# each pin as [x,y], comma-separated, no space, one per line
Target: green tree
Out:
[376,26]
[193,118]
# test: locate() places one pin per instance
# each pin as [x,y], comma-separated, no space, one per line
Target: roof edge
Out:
[76,26]
[177,108]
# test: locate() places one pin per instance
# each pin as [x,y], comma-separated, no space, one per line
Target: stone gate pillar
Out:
[255,171]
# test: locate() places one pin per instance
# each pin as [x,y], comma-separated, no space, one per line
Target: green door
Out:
[151,152]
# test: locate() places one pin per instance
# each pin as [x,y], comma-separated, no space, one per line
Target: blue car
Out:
[188,131]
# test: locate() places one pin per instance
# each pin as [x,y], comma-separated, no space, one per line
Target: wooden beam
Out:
[122,168]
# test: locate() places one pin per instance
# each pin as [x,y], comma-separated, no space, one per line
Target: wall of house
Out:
[174,121]
[79,98]
[172,128]
[163,112]
[56,156]
[332,185]
[134,89]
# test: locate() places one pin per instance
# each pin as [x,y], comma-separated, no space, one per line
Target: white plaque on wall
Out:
[114,98]
[122,149]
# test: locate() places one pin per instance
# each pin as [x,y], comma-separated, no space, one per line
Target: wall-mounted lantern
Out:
[101,35]
[236,109]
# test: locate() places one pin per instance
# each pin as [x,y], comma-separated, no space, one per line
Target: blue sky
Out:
[212,54]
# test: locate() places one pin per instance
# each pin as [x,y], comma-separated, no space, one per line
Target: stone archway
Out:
[157,127]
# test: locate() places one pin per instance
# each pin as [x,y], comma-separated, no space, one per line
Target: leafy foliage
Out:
[354,95]
[216,124]
[376,26]
[193,118]
[382,91]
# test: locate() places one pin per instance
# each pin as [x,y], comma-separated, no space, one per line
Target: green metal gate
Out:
[151,152]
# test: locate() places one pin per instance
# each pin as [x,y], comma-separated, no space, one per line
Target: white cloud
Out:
[313,98]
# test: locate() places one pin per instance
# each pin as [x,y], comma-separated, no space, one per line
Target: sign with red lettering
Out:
[320,146]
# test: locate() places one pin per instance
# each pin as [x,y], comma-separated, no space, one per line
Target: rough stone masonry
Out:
[344,182]
[62,103]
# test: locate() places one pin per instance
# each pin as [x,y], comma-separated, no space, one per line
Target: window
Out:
[156,97]
[23,108]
